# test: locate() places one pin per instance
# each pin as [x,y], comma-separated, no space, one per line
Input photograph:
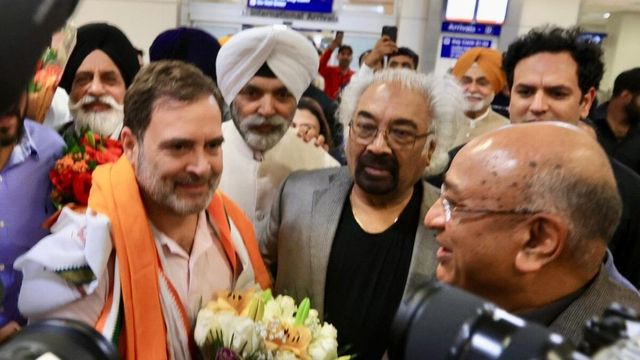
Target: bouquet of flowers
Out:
[255,325]
[48,73]
[71,174]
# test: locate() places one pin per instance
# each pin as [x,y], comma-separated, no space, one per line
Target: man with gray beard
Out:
[100,69]
[479,72]
[262,73]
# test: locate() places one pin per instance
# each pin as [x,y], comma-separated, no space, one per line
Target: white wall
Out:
[140,20]
[621,48]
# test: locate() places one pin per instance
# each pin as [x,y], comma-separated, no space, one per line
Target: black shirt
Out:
[366,276]
[627,149]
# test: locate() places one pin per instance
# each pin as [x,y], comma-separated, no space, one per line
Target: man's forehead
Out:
[475,72]
[99,61]
[266,83]
[407,103]
[547,69]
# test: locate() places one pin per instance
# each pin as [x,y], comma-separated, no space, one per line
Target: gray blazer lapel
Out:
[423,261]
[326,210]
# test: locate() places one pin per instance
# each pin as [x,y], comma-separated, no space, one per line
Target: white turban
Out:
[288,54]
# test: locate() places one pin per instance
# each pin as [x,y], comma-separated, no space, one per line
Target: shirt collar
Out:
[25,148]
[474,122]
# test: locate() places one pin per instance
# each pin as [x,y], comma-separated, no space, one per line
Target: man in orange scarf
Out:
[157,240]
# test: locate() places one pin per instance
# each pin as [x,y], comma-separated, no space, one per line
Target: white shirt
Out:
[190,274]
[252,183]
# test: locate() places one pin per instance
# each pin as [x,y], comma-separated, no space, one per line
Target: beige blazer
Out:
[297,240]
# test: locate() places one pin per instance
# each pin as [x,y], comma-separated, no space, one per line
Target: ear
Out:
[429,148]
[543,242]
[626,96]
[130,145]
[587,101]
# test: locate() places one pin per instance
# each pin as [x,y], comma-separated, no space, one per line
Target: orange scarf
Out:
[115,193]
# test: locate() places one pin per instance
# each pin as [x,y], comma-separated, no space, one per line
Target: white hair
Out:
[442,93]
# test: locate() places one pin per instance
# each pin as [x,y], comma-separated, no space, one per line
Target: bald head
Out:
[546,166]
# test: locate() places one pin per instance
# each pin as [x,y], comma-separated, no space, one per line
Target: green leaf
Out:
[266,296]
[303,311]
[90,138]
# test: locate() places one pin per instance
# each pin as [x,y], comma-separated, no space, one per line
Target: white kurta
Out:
[251,183]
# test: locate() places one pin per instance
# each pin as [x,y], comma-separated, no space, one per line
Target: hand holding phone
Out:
[391,32]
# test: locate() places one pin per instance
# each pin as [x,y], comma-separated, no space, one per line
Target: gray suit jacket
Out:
[297,240]
[603,291]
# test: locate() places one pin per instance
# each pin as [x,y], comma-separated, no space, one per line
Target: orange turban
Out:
[489,60]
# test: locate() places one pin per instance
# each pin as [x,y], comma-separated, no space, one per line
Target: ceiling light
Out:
[606,15]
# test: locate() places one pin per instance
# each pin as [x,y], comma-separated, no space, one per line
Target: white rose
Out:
[324,345]
[285,355]
[242,329]
[204,323]
[312,320]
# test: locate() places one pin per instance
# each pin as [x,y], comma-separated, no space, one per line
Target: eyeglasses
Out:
[450,209]
[396,135]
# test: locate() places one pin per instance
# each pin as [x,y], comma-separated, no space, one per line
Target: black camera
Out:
[443,322]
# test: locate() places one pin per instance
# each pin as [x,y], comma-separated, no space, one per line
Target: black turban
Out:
[190,45]
[109,39]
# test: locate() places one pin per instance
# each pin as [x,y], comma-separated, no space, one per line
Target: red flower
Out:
[71,175]
[81,188]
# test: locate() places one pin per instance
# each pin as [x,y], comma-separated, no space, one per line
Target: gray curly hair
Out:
[442,93]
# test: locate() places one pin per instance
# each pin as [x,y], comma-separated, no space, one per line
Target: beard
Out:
[483,103]
[105,123]
[377,184]
[163,190]
[256,140]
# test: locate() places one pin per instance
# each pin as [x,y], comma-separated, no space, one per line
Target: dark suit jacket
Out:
[302,225]
[596,298]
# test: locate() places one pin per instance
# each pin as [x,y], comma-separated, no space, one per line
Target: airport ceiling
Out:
[593,12]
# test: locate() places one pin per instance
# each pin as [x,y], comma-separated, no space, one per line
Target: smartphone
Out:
[391,32]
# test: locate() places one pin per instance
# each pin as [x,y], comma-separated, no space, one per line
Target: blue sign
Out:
[475,29]
[596,38]
[454,47]
[319,6]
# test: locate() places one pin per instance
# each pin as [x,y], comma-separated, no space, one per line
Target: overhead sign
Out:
[475,29]
[454,47]
[319,6]
[593,37]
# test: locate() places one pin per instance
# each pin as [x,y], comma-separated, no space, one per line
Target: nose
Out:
[267,106]
[199,164]
[379,145]
[96,87]
[472,87]
[539,104]
[435,216]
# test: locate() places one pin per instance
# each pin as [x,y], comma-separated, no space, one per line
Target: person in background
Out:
[479,70]
[617,121]
[98,72]
[311,124]
[27,153]
[262,73]
[375,67]
[191,45]
[336,77]
[553,75]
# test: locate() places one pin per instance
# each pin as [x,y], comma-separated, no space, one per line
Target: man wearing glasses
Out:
[350,238]
[523,220]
